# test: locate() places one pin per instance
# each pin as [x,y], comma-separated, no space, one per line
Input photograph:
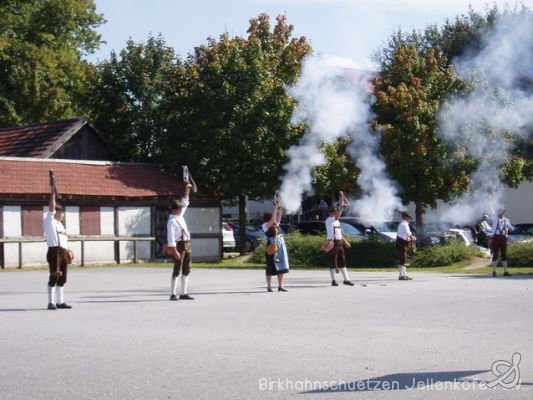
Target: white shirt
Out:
[404,232]
[54,231]
[501,226]
[333,229]
[177,226]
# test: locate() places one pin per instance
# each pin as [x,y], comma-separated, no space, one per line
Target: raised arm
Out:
[52,202]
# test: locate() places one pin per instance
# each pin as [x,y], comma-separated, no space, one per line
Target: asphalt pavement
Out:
[439,336]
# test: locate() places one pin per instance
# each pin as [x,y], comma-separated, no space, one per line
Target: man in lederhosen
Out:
[501,227]
[335,244]
[56,239]
[179,246]
[404,237]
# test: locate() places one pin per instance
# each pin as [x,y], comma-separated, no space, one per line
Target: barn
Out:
[115,211]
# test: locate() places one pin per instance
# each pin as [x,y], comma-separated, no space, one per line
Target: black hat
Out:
[176,205]
[405,214]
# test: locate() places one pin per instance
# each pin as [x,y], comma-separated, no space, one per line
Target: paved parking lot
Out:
[436,337]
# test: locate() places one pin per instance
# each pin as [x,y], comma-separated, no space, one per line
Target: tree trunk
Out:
[419,218]
[243,213]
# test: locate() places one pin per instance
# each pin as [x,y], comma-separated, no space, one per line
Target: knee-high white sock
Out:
[51,294]
[184,284]
[332,273]
[400,269]
[173,284]
[60,294]
[494,265]
[505,266]
[345,274]
[404,270]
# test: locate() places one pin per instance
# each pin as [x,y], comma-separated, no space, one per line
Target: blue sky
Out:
[350,29]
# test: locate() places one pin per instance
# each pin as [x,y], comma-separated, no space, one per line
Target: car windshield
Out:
[385,227]
[351,230]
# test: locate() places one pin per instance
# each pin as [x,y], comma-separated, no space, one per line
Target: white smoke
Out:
[501,104]
[333,102]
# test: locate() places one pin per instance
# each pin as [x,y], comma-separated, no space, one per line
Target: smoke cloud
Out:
[501,105]
[333,101]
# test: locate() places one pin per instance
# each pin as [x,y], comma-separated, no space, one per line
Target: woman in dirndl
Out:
[277,261]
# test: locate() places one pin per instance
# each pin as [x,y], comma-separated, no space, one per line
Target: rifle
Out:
[187,178]
[53,183]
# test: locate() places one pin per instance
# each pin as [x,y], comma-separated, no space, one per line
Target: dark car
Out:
[319,228]
[528,228]
[254,236]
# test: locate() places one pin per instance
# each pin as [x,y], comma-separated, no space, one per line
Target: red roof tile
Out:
[39,140]
[29,176]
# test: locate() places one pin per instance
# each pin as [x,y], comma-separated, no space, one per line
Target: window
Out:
[90,220]
[32,221]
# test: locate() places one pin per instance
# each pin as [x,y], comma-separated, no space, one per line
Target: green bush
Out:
[306,251]
[520,254]
[443,255]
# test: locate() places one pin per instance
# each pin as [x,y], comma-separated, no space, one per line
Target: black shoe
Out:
[64,306]
[507,273]
[269,289]
[348,283]
[280,289]
[174,297]
[402,278]
[494,273]
[334,283]
[52,306]
[186,297]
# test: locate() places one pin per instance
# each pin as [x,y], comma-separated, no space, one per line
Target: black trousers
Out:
[184,264]
[337,259]
[57,264]
[499,245]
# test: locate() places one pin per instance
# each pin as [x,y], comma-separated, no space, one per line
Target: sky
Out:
[351,29]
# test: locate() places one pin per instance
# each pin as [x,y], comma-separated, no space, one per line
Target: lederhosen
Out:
[271,235]
[57,262]
[337,258]
[499,241]
[402,245]
[183,247]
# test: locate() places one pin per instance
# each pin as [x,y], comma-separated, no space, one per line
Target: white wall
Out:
[12,228]
[204,220]
[519,203]
[72,220]
[134,221]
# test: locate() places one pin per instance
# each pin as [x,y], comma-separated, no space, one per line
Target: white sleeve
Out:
[185,201]
[171,234]
[329,228]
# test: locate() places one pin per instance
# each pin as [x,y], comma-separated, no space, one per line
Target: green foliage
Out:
[411,88]
[338,173]
[306,251]
[520,254]
[443,255]
[239,106]
[41,44]
[128,96]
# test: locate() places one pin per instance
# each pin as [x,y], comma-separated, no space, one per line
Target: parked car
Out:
[528,228]
[254,236]
[319,228]
[228,240]
[519,234]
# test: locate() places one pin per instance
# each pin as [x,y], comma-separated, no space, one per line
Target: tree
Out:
[127,93]
[237,126]
[412,86]
[338,173]
[42,74]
